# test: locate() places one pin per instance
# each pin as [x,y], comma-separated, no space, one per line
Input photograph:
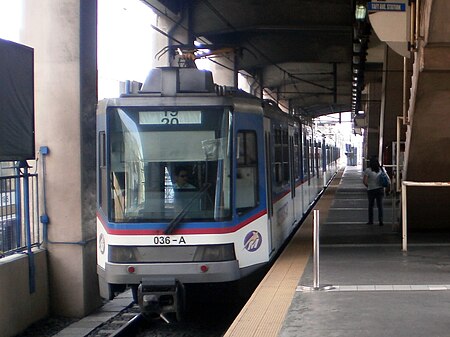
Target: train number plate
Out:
[169,240]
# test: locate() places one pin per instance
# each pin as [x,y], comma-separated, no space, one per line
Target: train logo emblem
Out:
[252,241]
[101,243]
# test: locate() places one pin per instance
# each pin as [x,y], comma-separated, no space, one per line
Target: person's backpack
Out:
[383,178]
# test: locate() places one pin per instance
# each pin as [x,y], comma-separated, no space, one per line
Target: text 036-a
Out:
[167,240]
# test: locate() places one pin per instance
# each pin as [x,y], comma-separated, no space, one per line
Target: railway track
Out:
[125,323]
[207,315]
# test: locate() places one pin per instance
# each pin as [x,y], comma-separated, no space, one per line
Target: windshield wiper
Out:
[180,216]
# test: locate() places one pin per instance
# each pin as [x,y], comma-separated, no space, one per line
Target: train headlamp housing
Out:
[214,253]
[171,254]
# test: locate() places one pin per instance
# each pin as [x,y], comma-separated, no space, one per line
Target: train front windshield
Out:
[169,163]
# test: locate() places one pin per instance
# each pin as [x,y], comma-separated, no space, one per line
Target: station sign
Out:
[378,6]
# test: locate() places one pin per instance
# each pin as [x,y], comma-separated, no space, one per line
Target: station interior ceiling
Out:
[310,55]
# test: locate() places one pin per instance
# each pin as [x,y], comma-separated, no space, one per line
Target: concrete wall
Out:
[15,297]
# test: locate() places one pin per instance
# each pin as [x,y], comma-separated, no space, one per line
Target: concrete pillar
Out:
[392,101]
[63,35]
[372,110]
[428,142]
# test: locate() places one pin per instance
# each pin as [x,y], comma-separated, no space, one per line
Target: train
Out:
[198,184]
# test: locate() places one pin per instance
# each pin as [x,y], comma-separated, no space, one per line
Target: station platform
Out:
[367,285]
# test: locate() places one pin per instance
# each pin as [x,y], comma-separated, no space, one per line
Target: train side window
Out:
[285,151]
[305,156]
[247,172]
[281,163]
[102,182]
[102,148]
[278,162]
[296,156]
[312,154]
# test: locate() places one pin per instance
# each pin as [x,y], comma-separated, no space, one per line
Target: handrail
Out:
[405,184]
[426,184]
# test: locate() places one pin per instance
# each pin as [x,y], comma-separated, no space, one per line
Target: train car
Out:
[196,184]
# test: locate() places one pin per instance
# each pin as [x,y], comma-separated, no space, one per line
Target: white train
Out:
[197,185]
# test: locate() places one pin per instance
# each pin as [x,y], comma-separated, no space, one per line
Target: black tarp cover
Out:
[16,101]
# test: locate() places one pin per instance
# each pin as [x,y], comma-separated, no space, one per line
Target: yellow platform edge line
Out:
[265,311]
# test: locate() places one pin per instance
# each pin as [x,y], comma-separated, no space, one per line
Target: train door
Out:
[268,160]
[249,175]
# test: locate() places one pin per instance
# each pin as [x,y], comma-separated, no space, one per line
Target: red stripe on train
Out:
[183,231]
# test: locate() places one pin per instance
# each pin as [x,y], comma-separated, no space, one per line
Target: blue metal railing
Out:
[20,229]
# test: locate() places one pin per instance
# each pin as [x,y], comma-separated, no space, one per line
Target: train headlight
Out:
[121,254]
[214,253]
[170,254]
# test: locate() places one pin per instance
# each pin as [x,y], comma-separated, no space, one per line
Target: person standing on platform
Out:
[375,191]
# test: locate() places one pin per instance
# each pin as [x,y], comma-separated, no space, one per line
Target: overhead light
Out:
[360,12]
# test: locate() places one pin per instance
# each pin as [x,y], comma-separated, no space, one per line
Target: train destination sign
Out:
[375,6]
[170,117]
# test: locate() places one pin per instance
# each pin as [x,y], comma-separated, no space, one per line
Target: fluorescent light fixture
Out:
[360,12]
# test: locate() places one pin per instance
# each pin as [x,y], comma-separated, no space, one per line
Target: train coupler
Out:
[161,297]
